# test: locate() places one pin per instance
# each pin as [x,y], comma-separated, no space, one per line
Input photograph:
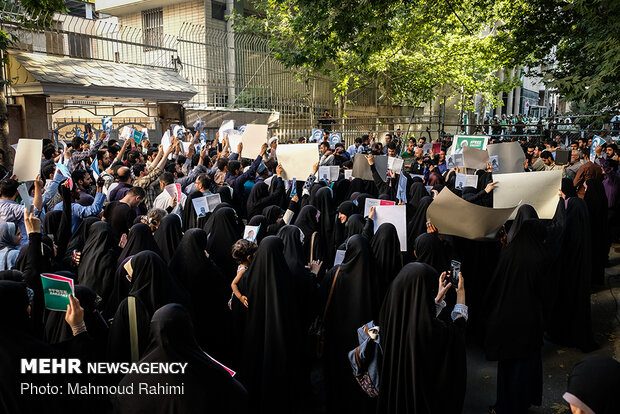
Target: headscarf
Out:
[422,356]
[168,236]
[525,212]
[255,203]
[596,200]
[51,223]
[261,221]
[354,225]
[324,203]
[568,188]
[309,224]
[224,233]
[98,260]
[417,225]
[8,249]
[139,239]
[78,239]
[593,385]
[208,386]
[208,289]
[430,250]
[385,247]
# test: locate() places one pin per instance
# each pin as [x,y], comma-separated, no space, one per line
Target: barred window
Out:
[153,28]
[218,11]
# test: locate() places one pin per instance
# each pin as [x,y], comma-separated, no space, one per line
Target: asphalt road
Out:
[557,361]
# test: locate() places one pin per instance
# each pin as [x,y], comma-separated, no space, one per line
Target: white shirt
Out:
[163,201]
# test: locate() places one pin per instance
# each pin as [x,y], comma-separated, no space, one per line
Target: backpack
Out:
[366,359]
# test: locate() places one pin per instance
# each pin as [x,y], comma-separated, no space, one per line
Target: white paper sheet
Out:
[254,136]
[397,215]
[297,160]
[28,159]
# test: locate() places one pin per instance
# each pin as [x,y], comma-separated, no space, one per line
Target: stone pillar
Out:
[517,96]
[34,116]
[509,103]
[498,109]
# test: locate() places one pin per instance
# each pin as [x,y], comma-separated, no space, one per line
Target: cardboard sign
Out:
[454,160]
[562,157]
[436,147]
[471,141]
[538,189]
[254,136]
[375,202]
[106,125]
[395,164]
[136,135]
[56,291]
[597,141]
[348,174]
[95,167]
[329,172]
[475,158]
[510,156]
[200,206]
[361,168]
[199,125]
[126,132]
[454,216]
[297,160]
[27,162]
[397,215]
[463,180]
[250,233]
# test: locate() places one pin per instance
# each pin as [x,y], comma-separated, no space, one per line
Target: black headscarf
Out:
[255,203]
[272,214]
[139,239]
[78,239]
[152,286]
[208,387]
[416,193]
[422,356]
[189,217]
[429,249]
[595,381]
[341,190]
[307,222]
[51,223]
[98,260]
[568,188]
[385,247]
[208,290]
[525,212]
[514,301]
[224,233]
[168,236]
[324,203]
[270,347]
[417,225]
[355,301]
[261,221]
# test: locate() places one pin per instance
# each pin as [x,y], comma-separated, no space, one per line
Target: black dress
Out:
[424,366]
[168,236]
[207,387]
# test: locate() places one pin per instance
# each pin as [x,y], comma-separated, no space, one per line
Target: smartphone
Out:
[455,269]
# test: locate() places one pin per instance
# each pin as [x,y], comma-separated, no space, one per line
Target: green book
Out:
[56,290]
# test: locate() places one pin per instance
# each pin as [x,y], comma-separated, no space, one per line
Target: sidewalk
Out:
[557,361]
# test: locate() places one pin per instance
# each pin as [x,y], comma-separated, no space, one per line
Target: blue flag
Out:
[401,194]
[95,167]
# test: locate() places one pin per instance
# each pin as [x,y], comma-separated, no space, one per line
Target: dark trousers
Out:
[519,384]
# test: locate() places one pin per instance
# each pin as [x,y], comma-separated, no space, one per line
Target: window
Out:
[218,11]
[153,28]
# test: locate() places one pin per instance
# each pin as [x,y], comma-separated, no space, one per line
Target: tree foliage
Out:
[577,42]
[412,51]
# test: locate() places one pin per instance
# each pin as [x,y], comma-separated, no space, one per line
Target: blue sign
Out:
[106,124]
[335,138]
[317,135]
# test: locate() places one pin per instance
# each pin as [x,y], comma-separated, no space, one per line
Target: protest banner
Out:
[396,215]
[254,136]
[375,202]
[297,160]
[395,164]
[538,189]
[56,291]
[329,172]
[456,217]
[361,168]
[27,162]
[471,141]
[510,156]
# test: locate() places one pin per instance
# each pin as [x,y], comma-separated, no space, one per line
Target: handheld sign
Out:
[339,257]
[28,159]
[335,138]
[375,202]
[250,233]
[317,135]
[23,194]
[56,291]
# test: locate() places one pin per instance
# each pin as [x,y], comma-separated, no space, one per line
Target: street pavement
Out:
[557,361]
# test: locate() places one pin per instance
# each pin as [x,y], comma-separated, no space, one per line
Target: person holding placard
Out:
[11,211]
[237,178]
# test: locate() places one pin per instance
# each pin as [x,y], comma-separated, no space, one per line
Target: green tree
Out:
[411,50]
[577,44]
[27,14]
